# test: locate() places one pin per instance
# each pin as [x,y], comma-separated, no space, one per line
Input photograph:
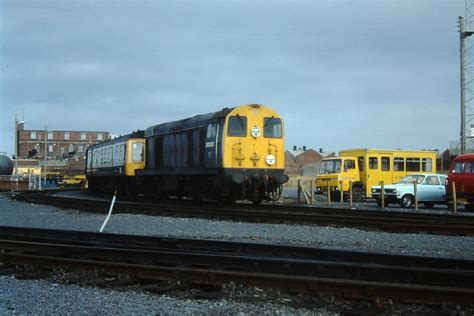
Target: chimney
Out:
[294,147]
[321,150]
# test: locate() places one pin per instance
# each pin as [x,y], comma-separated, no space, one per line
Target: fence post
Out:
[342,191]
[299,191]
[329,194]
[382,193]
[455,202]
[350,193]
[312,191]
[416,195]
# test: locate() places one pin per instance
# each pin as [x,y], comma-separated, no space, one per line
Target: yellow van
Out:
[368,167]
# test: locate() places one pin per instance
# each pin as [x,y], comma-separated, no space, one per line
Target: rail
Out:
[396,222]
[297,269]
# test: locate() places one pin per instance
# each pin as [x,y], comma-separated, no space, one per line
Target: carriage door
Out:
[211,145]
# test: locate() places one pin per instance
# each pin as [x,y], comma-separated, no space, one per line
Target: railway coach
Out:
[112,165]
[235,153]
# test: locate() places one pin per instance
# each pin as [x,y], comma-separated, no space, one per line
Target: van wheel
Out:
[406,201]
[357,195]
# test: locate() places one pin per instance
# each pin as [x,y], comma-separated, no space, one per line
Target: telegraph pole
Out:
[16,145]
[45,148]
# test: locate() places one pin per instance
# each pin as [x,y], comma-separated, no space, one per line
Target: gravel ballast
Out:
[45,297]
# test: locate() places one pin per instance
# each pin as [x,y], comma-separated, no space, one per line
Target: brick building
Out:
[298,160]
[60,145]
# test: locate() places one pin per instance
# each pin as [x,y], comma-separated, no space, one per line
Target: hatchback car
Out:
[430,190]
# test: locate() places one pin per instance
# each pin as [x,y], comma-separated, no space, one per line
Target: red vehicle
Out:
[462,174]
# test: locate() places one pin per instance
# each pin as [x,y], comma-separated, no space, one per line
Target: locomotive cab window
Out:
[137,151]
[211,130]
[272,127]
[237,126]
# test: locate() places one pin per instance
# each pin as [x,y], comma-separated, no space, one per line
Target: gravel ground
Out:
[46,296]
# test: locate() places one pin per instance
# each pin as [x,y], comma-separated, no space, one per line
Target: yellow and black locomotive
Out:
[236,153]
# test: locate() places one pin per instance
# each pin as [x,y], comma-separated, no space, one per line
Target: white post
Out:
[110,212]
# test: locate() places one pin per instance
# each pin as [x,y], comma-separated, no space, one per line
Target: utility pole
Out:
[463,34]
[16,145]
[45,148]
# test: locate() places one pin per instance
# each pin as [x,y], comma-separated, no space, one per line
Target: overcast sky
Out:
[343,74]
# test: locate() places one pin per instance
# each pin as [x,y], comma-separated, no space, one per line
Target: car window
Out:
[442,179]
[432,180]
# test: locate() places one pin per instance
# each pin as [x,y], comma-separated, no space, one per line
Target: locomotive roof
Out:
[188,123]
[137,134]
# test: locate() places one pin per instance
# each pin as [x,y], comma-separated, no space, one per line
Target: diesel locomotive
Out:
[235,153]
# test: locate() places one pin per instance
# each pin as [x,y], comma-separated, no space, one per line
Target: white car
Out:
[430,190]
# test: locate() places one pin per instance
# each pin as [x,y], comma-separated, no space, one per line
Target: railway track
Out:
[295,269]
[396,222]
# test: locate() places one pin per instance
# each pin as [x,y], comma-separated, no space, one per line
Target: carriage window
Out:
[272,127]
[373,163]
[360,161]
[385,163]
[349,164]
[137,151]
[426,164]
[413,164]
[398,164]
[237,126]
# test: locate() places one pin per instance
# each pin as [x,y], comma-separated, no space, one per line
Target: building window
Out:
[50,135]
[100,136]
[81,148]
[83,136]
[67,135]
[33,135]
[71,148]
[50,148]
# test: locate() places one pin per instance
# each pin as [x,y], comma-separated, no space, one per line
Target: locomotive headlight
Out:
[255,131]
[270,160]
